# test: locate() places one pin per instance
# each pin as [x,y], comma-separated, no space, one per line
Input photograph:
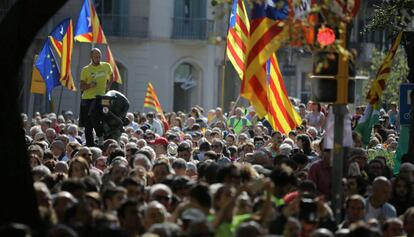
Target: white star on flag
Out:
[270,3]
[89,22]
[51,72]
[48,56]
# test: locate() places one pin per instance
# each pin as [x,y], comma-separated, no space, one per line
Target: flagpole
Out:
[223,73]
[60,100]
[231,112]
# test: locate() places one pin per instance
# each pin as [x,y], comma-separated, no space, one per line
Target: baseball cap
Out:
[159,140]
[172,149]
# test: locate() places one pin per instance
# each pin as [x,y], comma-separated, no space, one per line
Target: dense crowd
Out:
[210,173]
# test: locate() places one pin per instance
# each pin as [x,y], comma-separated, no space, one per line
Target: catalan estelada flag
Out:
[151,99]
[58,33]
[88,28]
[110,59]
[62,40]
[237,36]
[281,114]
[267,32]
[379,83]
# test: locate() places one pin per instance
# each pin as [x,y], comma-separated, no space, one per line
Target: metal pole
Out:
[223,76]
[339,110]
[337,160]
[223,73]
[60,100]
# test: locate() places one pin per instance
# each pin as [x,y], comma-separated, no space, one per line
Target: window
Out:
[190,20]
[185,87]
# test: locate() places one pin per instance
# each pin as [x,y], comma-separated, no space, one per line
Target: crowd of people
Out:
[211,173]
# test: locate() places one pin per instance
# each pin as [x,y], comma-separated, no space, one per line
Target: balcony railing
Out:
[192,28]
[125,26]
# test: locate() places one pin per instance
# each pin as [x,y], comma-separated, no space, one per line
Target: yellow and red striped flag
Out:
[62,40]
[267,32]
[88,28]
[66,78]
[237,36]
[378,85]
[151,99]
[110,59]
[281,114]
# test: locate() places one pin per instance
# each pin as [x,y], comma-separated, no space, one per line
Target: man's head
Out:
[217,146]
[130,117]
[161,169]
[355,206]
[284,179]
[381,189]
[277,137]
[96,56]
[408,219]
[375,168]
[358,155]
[128,215]
[161,193]
[159,145]
[393,106]
[218,112]
[262,158]
[154,213]
[113,197]
[184,151]
[57,148]
[393,227]
[407,171]
[150,117]
[180,166]
[239,112]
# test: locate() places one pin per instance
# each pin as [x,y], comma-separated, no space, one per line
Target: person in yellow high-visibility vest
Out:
[238,122]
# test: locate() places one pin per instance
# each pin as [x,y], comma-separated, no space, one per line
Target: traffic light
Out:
[332,79]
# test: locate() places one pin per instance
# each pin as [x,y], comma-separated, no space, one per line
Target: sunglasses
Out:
[162,198]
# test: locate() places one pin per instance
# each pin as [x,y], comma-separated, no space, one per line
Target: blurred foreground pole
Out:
[339,110]
[17,32]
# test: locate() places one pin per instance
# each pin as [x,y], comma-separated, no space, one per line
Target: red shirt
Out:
[320,174]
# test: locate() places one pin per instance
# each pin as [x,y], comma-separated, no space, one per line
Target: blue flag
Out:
[88,29]
[47,66]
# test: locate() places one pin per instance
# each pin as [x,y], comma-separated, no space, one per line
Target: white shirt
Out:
[157,127]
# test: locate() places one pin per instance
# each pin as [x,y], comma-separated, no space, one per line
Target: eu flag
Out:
[46,64]
[273,9]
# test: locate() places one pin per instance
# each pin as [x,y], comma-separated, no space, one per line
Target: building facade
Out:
[174,44]
[178,46]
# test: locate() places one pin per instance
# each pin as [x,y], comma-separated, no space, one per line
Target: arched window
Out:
[185,87]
